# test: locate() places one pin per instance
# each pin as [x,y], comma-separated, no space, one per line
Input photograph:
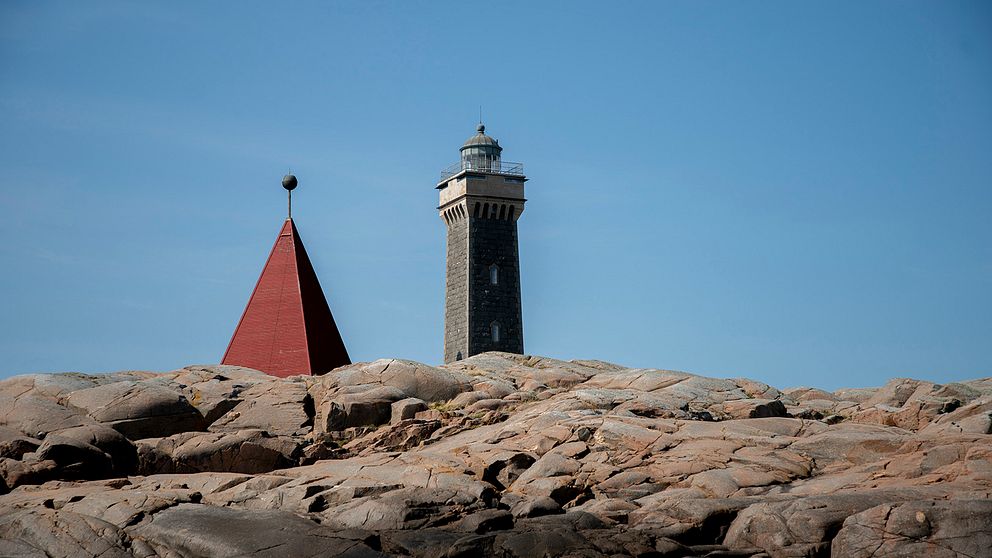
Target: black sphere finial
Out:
[289,182]
[481,128]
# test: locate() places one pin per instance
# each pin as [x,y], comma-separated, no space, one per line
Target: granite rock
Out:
[495,455]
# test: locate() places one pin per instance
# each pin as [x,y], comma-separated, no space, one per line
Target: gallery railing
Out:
[502,167]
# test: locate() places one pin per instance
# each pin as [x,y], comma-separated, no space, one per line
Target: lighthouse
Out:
[481,199]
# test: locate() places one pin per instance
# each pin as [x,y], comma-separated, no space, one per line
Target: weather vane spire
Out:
[289,183]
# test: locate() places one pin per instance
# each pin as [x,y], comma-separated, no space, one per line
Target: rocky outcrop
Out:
[496,455]
[243,451]
[137,409]
[280,408]
[930,528]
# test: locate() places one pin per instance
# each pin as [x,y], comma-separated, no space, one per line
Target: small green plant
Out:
[441,407]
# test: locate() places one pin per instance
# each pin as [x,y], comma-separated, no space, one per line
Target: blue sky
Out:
[791,191]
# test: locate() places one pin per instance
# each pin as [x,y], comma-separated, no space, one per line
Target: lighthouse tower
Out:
[287,327]
[481,198]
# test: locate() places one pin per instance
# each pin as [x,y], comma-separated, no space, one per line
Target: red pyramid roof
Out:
[287,327]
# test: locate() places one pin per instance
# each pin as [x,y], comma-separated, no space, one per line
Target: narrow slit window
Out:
[494,274]
[494,330]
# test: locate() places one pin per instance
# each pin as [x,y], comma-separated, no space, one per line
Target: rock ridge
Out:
[496,455]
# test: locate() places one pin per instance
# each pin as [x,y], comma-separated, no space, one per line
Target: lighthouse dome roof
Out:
[481,139]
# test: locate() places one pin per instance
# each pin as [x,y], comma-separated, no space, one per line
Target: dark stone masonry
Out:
[456,299]
[493,242]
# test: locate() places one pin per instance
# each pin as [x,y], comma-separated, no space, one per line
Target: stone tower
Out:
[481,199]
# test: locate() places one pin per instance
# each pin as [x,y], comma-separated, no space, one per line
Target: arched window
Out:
[494,330]
[494,274]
